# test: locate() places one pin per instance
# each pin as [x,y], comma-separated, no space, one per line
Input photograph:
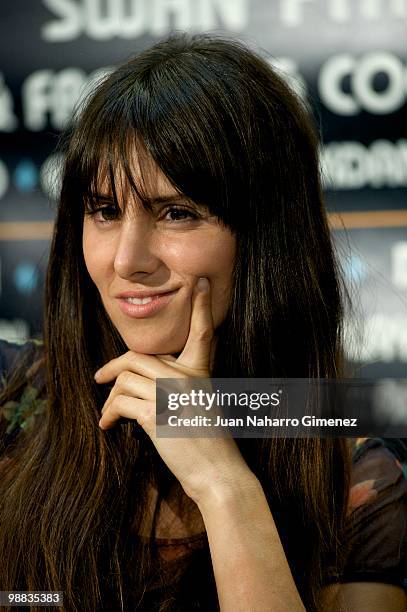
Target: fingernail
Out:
[203,284]
[97,374]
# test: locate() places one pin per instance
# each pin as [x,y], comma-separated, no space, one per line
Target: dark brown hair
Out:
[227,132]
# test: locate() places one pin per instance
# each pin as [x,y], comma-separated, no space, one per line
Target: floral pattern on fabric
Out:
[377,512]
[364,491]
[361,493]
[20,415]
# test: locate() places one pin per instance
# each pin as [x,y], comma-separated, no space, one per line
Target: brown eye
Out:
[104,214]
[176,213]
[108,213]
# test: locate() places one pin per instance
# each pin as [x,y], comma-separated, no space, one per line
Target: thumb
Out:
[197,350]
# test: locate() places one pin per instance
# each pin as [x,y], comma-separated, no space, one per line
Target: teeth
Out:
[145,300]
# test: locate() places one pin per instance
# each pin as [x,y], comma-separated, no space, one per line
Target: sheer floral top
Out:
[377,510]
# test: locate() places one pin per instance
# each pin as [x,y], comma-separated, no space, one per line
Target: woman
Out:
[191,172]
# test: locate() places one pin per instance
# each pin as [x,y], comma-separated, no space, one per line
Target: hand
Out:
[200,464]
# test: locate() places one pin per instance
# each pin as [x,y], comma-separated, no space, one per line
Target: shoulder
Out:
[377,513]
[12,353]
[21,388]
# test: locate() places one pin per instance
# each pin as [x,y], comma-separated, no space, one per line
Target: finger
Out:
[196,353]
[182,369]
[170,358]
[142,411]
[133,385]
[145,365]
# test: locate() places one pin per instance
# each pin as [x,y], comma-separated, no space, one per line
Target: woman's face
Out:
[133,250]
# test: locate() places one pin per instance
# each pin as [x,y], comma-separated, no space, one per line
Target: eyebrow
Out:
[157,200]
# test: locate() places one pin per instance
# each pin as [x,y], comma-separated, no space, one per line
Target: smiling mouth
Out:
[146,300]
[143,307]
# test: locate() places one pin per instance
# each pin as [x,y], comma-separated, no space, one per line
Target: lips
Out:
[153,303]
[144,294]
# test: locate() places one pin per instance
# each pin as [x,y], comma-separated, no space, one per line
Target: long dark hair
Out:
[227,132]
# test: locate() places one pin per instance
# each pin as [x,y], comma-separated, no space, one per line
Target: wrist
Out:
[227,490]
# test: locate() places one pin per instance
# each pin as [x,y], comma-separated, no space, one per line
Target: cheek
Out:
[210,256]
[97,259]
[202,256]
[221,281]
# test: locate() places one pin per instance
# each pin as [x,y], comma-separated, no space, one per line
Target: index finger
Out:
[197,350]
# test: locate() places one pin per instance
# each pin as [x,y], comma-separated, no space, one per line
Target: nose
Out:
[135,253]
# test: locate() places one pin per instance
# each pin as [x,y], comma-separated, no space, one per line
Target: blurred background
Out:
[346,58]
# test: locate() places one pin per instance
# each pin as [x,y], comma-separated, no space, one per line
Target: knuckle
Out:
[123,378]
[133,357]
[149,413]
[116,403]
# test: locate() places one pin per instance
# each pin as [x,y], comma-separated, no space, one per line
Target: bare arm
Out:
[250,566]
[363,597]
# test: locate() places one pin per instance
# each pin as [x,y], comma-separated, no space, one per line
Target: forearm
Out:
[251,570]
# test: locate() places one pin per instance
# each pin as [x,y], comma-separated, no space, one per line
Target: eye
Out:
[103,214]
[177,213]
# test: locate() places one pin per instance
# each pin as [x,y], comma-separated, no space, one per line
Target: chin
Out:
[154,348]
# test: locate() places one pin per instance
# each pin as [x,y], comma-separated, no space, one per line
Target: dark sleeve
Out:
[377,515]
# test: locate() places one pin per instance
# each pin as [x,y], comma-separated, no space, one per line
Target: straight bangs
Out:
[99,161]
